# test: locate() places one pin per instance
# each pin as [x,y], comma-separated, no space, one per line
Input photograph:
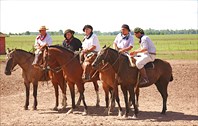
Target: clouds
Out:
[20,16]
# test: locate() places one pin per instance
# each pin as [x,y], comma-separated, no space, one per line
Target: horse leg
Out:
[97,93]
[79,101]
[56,95]
[132,94]
[162,88]
[63,87]
[137,93]
[81,89]
[27,89]
[118,102]
[71,87]
[106,90]
[35,87]
[125,93]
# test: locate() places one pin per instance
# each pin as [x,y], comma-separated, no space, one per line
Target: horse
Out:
[71,67]
[32,75]
[107,77]
[160,75]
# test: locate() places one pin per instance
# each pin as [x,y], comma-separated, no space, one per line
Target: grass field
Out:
[168,46]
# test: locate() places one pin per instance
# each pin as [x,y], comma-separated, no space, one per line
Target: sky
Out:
[18,16]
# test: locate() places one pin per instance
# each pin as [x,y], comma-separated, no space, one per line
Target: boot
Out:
[144,79]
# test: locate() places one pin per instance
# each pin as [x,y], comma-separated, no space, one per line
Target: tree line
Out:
[147,32]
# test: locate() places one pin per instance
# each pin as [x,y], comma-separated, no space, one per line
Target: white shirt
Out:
[146,43]
[122,42]
[92,41]
[39,41]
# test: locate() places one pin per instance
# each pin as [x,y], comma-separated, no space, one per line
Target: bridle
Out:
[21,63]
[103,69]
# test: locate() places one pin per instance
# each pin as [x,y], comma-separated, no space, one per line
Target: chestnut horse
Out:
[160,75]
[107,77]
[33,75]
[68,61]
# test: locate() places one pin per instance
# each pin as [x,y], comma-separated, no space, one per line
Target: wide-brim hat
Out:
[43,28]
[69,31]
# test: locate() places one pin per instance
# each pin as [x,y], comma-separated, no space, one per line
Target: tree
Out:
[60,32]
[27,33]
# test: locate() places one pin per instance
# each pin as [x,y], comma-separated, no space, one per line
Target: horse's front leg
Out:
[125,93]
[56,95]
[81,91]
[27,90]
[35,87]
[106,90]
[71,87]
[64,88]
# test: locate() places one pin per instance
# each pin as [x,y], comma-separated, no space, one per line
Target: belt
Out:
[152,53]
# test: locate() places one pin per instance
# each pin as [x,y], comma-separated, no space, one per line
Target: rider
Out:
[124,40]
[70,41]
[43,39]
[146,53]
[90,44]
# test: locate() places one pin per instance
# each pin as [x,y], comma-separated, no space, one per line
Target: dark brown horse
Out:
[33,75]
[127,76]
[72,70]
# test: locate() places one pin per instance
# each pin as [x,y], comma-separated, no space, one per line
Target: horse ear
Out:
[104,46]
[8,50]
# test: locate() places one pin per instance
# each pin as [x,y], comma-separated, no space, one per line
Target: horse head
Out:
[101,57]
[10,62]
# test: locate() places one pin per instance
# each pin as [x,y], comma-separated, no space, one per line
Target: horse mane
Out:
[20,50]
[61,48]
[117,52]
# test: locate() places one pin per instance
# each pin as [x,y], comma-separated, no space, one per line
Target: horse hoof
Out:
[109,113]
[34,108]
[134,116]
[97,105]
[125,116]
[119,114]
[70,111]
[25,107]
[55,109]
[85,112]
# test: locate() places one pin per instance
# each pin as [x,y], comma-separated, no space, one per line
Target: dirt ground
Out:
[182,102]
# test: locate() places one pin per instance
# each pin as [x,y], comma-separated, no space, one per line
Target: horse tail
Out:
[171,79]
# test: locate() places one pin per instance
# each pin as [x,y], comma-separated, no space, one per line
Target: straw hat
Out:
[43,28]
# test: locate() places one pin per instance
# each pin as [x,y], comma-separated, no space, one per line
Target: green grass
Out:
[184,47]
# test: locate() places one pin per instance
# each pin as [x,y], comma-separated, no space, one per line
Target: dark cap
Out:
[137,29]
[88,26]
[69,31]
[126,27]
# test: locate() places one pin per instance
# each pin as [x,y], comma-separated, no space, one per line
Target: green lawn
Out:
[168,46]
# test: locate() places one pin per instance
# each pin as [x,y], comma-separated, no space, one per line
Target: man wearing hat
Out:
[146,53]
[90,44]
[43,39]
[70,41]
[124,40]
